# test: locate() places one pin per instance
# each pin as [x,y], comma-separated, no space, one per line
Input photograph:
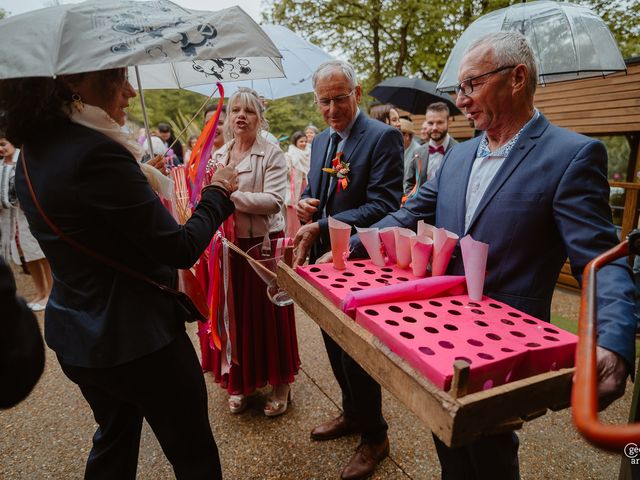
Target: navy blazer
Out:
[94,190]
[374,151]
[548,200]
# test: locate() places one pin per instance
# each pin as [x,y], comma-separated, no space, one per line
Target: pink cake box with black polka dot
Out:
[500,343]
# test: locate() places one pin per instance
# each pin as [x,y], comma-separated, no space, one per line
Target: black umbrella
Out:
[411,94]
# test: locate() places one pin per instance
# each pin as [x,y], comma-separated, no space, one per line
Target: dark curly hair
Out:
[32,106]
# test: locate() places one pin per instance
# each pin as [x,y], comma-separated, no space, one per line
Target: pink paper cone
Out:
[474,257]
[403,246]
[339,233]
[412,290]
[443,244]
[421,247]
[370,238]
[388,237]
[425,229]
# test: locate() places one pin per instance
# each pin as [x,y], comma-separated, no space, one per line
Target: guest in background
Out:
[424,133]
[166,135]
[385,113]
[409,142]
[310,132]
[209,111]
[190,144]
[298,164]
[427,159]
[157,145]
[267,346]
[8,199]
[120,338]
[23,244]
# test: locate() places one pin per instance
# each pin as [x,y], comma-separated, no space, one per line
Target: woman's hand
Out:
[226,177]
[158,163]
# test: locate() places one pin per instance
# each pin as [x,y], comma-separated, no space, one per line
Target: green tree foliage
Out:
[384,38]
[3,13]
[172,106]
[623,19]
[288,115]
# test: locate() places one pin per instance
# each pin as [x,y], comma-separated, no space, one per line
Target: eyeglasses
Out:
[466,86]
[339,100]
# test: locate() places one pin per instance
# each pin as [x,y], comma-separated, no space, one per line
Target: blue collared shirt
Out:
[485,167]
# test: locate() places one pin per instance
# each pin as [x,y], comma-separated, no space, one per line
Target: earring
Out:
[76,103]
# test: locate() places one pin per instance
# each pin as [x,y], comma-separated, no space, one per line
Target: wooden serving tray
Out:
[456,418]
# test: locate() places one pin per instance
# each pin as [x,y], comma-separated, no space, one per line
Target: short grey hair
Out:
[326,68]
[245,97]
[510,48]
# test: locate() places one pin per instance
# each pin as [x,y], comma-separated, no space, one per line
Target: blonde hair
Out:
[245,97]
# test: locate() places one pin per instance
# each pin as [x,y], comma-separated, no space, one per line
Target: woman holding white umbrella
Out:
[107,236]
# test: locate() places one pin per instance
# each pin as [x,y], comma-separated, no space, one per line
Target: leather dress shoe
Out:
[336,428]
[364,462]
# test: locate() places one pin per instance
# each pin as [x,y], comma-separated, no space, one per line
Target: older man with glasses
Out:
[536,193]
[374,154]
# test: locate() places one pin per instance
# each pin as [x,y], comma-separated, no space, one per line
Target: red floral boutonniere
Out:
[340,170]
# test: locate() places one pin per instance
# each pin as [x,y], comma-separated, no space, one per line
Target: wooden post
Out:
[460,380]
[288,256]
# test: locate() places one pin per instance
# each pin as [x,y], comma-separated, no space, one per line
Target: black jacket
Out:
[94,190]
[21,348]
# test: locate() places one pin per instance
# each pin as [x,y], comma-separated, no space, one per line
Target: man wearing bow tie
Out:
[427,159]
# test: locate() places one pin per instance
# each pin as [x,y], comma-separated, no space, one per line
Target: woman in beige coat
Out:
[266,348]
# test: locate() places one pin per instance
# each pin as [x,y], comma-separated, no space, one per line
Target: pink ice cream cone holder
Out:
[434,328]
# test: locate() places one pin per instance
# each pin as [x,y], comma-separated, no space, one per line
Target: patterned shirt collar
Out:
[503,151]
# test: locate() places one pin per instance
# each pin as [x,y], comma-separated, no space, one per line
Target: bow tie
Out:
[439,149]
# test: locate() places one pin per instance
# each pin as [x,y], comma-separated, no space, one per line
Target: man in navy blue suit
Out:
[536,193]
[374,153]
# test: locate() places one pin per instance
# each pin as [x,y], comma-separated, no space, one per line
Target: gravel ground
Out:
[48,435]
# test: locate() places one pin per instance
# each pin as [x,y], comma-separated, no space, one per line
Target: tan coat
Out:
[262,184]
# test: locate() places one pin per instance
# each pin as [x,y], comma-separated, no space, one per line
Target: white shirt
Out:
[485,167]
[435,159]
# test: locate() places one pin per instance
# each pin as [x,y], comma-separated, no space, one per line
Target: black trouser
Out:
[167,389]
[494,457]
[361,394]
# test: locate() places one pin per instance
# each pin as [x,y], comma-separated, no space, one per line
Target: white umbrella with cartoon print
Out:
[173,47]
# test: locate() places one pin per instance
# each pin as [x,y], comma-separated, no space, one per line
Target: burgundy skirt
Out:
[267,345]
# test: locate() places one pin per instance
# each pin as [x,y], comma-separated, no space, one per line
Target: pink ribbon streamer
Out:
[411,290]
